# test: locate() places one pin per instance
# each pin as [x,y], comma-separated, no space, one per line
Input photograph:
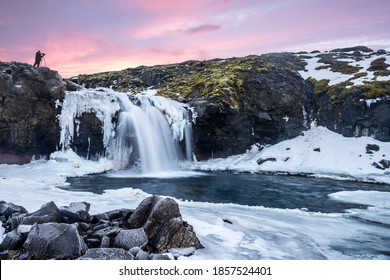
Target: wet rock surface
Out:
[148,232]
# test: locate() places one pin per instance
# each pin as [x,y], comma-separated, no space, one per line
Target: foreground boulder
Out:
[53,241]
[69,232]
[163,224]
[107,254]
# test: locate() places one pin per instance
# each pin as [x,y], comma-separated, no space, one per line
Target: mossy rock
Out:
[336,65]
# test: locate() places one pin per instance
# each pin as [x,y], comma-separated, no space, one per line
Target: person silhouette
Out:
[38,58]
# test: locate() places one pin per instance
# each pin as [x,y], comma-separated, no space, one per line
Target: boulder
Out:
[106,254]
[163,224]
[13,240]
[142,256]
[48,213]
[128,239]
[53,241]
[9,209]
[75,212]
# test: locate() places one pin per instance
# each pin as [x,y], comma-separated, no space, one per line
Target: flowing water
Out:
[285,192]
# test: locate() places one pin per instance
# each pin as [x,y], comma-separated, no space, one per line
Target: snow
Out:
[255,232]
[337,77]
[318,152]
[379,210]
[322,74]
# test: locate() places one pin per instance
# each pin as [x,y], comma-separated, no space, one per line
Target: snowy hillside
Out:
[318,152]
[338,67]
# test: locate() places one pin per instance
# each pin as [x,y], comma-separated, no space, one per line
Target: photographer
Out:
[38,58]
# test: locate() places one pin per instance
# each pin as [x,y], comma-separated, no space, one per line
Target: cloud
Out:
[201,28]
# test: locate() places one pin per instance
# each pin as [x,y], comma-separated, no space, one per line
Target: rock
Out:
[261,160]
[385,163]
[9,209]
[53,241]
[317,149]
[106,254]
[12,241]
[142,255]
[160,257]
[352,49]
[163,224]
[75,212]
[227,221]
[378,166]
[48,213]
[381,51]
[372,147]
[106,231]
[128,239]
[134,251]
[28,119]
[106,241]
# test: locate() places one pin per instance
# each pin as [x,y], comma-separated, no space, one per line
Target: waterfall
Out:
[139,131]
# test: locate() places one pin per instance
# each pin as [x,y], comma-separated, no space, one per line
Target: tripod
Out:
[44,60]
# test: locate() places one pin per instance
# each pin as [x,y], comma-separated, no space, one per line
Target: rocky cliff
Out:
[238,101]
[28,124]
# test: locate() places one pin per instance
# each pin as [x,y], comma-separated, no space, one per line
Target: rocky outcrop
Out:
[28,124]
[70,232]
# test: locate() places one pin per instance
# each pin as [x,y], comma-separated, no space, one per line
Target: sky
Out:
[90,36]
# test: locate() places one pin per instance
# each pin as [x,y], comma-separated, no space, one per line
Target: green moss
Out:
[320,87]
[337,65]
[218,80]
[375,90]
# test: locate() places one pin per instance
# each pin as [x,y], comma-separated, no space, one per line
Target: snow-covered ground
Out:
[318,152]
[255,232]
[364,75]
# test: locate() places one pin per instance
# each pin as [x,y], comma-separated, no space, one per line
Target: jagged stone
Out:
[53,241]
[75,212]
[9,209]
[163,224]
[128,239]
[12,241]
[46,214]
[385,163]
[142,255]
[106,254]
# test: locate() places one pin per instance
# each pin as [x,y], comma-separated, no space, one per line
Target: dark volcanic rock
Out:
[106,254]
[75,212]
[160,228]
[128,239]
[9,209]
[163,224]
[48,213]
[53,241]
[28,124]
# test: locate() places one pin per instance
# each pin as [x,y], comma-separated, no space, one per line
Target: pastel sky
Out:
[89,36]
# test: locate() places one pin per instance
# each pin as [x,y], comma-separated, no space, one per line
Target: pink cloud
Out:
[201,28]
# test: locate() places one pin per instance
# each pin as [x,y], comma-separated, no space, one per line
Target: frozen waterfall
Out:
[139,131]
